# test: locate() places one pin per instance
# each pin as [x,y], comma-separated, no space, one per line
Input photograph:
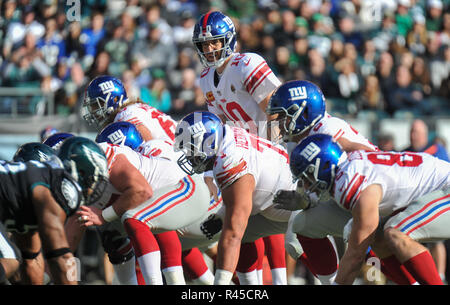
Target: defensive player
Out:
[248,170]
[40,195]
[396,199]
[237,88]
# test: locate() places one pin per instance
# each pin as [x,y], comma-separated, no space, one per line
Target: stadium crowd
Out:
[372,59]
[377,58]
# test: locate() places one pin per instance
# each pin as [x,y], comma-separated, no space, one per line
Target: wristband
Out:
[109,214]
[222,277]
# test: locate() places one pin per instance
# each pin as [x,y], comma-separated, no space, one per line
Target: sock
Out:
[194,264]
[395,271]
[170,248]
[125,273]
[206,278]
[423,269]
[146,250]
[250,259]
[276,256]
[174,275]
[321,256]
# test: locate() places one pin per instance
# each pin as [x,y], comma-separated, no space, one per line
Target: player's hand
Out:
[211,226]
[291,200]
[213,191]
[90,216]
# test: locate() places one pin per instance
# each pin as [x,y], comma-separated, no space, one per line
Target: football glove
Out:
[211,226]
[291,200]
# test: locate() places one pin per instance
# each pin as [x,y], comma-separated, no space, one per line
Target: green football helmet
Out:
[33,151]
[86,162]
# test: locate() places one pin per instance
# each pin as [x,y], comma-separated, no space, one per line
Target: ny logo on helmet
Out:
[116,137]
[310,151]
[197,130]
[107,87]
[298,93]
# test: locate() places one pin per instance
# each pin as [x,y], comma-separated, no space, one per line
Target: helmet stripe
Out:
[205,22]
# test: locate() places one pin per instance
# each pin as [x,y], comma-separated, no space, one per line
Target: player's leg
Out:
[196,268]
[9,257]
[146,249]
[312,228]
[276,256]
[170,248]
[250,256]
[425,219]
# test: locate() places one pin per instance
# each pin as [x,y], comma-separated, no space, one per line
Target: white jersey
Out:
[242,153]
[160,149]
[338,128]
[246,81]
[403,177]
[159,172]
[161,125]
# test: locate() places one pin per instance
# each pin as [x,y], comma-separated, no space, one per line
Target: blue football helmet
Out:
[198,135]
[55,140]
[212,26]
[46,132]
[104,95]
[121,133]
[315,161]
[301,101]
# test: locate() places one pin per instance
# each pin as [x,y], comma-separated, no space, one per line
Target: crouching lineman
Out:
[397,200]
[155,196]
[249,170]
[39,196]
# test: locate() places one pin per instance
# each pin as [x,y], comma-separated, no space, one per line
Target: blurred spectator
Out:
[349,32]
[154,52]
[434,15]
[157,95]
[440,72]
[130,84]
[185,97]
[26,67]
[248,38]
[385,73]
[285,35]
[119,50]
[90,37]
[299,56]
[316,73]
[18,29]
[387,33]
[444,35]
[182,32]
[421,77]
[348,80]
[403,19]
[417,38]
[371,98]
[152,19]
[100,66]
[386,142]
[367,62]
[52,44]
[74,47]
[404,96]
[419,141]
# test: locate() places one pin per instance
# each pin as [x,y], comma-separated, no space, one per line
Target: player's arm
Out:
[238,205]
[145,132]
[349,146]
[51,217]
[134,189]
[32,267]
[263,105]
[365,222]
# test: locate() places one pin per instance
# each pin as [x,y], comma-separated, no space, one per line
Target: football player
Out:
[39,196]
[237,88]
[248,170]
[396,201]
